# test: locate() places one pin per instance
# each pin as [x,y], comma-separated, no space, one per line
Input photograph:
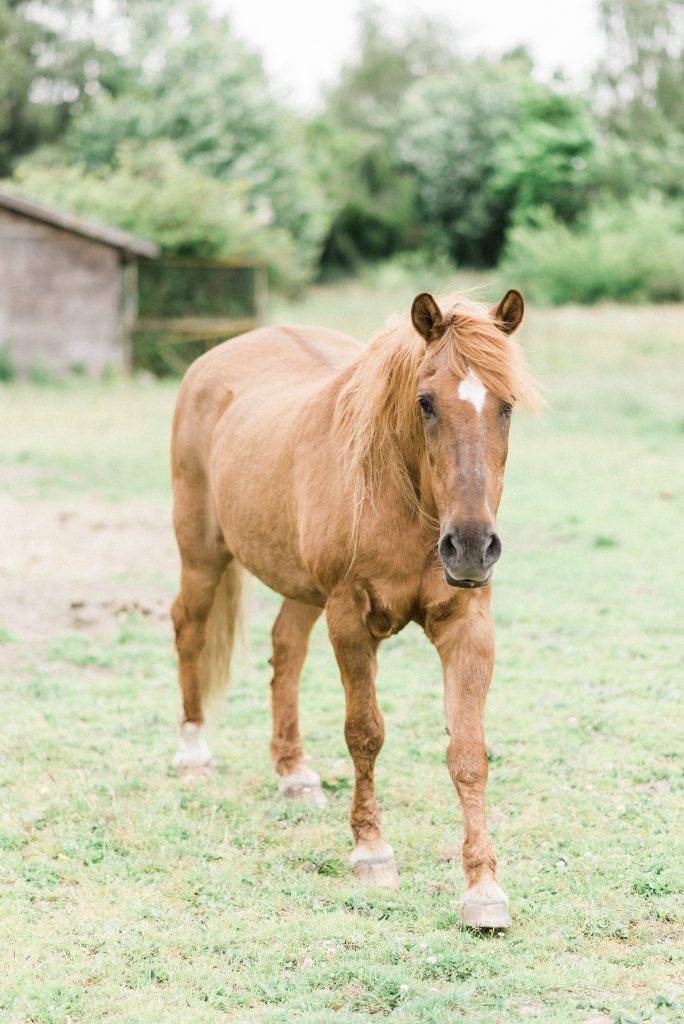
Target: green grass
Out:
[128,896]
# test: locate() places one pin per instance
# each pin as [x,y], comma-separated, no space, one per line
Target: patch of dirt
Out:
[656,787]
[661,931]
[70,564]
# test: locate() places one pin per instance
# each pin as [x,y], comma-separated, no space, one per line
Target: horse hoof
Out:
[195,772]
[306,794]
[193,760]
[485,906]
[375,866]
[303,785]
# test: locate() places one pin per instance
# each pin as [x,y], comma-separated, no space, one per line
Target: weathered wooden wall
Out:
[61,301]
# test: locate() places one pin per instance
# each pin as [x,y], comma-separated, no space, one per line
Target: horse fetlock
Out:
[286,757]
[479,859]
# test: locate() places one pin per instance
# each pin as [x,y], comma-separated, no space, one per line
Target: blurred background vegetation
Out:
[167,125]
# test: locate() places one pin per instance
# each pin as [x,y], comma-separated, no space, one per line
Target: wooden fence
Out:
[184,308]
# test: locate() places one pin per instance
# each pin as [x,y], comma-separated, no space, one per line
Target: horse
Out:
[363,483]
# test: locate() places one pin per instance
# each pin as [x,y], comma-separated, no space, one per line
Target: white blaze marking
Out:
[194,749]
[471,389]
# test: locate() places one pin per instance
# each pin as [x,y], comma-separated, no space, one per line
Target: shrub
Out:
[8,370]
[632,252]
[152,192]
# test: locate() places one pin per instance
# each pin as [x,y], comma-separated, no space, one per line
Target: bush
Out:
[152,192]
[631,252]
[8,370]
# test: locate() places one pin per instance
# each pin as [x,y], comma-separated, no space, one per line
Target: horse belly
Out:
[254,487]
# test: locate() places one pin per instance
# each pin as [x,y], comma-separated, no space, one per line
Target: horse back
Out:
[279,360]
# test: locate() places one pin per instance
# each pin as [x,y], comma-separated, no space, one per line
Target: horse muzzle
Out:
[469,553]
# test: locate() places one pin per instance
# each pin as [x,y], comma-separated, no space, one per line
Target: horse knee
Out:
[365,735]
[467,763]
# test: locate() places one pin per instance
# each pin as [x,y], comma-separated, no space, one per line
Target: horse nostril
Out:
[493,550]
[449,546]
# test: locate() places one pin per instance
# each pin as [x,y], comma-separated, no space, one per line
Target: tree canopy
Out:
[167,123]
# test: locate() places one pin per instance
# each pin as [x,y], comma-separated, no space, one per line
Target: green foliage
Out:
[373,208]
[371,87]
[545,159]
[188,80]
[370,192]
[641,75]
[150,190]
[40,375]
[639,99]
[619,165]
[182,138]
[8,370]
[487,141]
[48,72]
[628,253]
[450,128]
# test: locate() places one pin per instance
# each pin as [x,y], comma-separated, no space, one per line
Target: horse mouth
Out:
[466,584]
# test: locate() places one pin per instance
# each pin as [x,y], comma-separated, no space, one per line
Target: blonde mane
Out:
[377,423]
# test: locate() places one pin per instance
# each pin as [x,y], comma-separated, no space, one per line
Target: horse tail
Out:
[227,620]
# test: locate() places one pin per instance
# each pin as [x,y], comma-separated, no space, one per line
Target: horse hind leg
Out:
[204,616]
[290,644]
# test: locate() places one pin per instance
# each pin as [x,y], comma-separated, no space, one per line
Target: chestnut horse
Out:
[364,482]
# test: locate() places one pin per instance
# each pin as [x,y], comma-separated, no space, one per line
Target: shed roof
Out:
[115,237]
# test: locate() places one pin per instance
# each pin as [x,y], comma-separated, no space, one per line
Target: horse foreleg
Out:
[355,649]
[466,647]
[290,643]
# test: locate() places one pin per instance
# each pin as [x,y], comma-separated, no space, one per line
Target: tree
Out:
[386,64]
[640,79]
[185,78]
[49,70]
[639,96]
[547,160]
[370,193]
[152,191]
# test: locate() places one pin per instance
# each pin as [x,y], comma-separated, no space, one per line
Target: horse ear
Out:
[426,317]
[509,313]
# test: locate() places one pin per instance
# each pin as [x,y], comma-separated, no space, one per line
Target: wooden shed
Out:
[68,288]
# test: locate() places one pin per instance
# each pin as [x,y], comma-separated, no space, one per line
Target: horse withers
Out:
[363,482]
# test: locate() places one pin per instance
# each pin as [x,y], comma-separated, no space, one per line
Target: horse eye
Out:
[506,408]
[426,406]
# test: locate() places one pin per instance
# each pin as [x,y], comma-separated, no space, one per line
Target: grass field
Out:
[126,896]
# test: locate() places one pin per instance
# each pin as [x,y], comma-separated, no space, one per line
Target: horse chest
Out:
[391,607]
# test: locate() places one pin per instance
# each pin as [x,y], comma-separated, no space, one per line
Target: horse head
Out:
[463,391]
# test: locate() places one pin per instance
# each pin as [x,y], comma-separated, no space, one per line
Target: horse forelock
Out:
[377,424]
[476,343]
